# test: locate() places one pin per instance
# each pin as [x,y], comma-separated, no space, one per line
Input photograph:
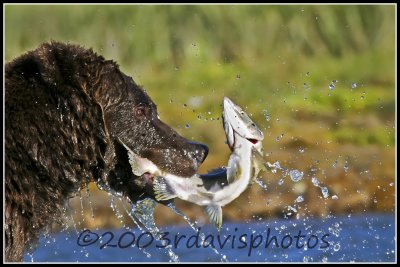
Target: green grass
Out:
[272,59]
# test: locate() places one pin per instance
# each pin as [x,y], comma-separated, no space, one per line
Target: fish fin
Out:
[134,166]
[162,191]
[214,212]
[132,161]
[259,162]
[233,168]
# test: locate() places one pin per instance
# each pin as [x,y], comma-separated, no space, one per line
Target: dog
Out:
[68,114]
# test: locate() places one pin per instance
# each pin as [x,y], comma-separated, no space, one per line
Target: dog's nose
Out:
[200,151]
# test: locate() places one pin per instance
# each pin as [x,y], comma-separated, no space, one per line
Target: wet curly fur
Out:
[67,110]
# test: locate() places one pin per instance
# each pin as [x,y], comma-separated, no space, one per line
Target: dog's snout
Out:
[200,151]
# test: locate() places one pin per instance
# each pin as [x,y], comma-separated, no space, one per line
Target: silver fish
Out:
[219,187]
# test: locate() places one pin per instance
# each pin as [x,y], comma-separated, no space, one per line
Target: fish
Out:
[221,186]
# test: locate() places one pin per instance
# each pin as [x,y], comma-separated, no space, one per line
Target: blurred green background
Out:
[318,79]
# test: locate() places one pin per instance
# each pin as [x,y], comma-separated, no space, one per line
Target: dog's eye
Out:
[140,110]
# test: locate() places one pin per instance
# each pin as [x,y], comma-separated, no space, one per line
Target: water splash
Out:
[325,192]
[90,201]
[315,181]
[266,115]
[83,250]
[195,227]
[132,217]
[261,184]
[117,212]
[82,210]
[274,167]
[346,166]
[144,211]
[31,256]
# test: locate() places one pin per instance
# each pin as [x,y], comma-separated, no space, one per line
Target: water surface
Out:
[358,238]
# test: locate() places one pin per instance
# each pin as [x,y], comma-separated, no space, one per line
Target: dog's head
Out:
[134,126]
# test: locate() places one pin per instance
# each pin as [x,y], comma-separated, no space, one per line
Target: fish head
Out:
[237,124]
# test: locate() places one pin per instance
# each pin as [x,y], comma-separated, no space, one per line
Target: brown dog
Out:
[67,111]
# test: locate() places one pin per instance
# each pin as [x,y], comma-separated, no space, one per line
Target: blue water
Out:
[358,238]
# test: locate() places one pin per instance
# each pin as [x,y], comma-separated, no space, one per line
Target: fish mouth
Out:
[253,141]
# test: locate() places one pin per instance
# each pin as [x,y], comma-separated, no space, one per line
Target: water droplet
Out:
[278,138]
[335,163]
[187,125]
[325,192]
[315,181]
[238,76]
[199,117]
[274,166]
[296,175]
[335,197]
[300,199]
[346,166]
[353,85]
[336,247]
[266,115]
[261,184]
[280,182]
[331,86]
[301,150]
